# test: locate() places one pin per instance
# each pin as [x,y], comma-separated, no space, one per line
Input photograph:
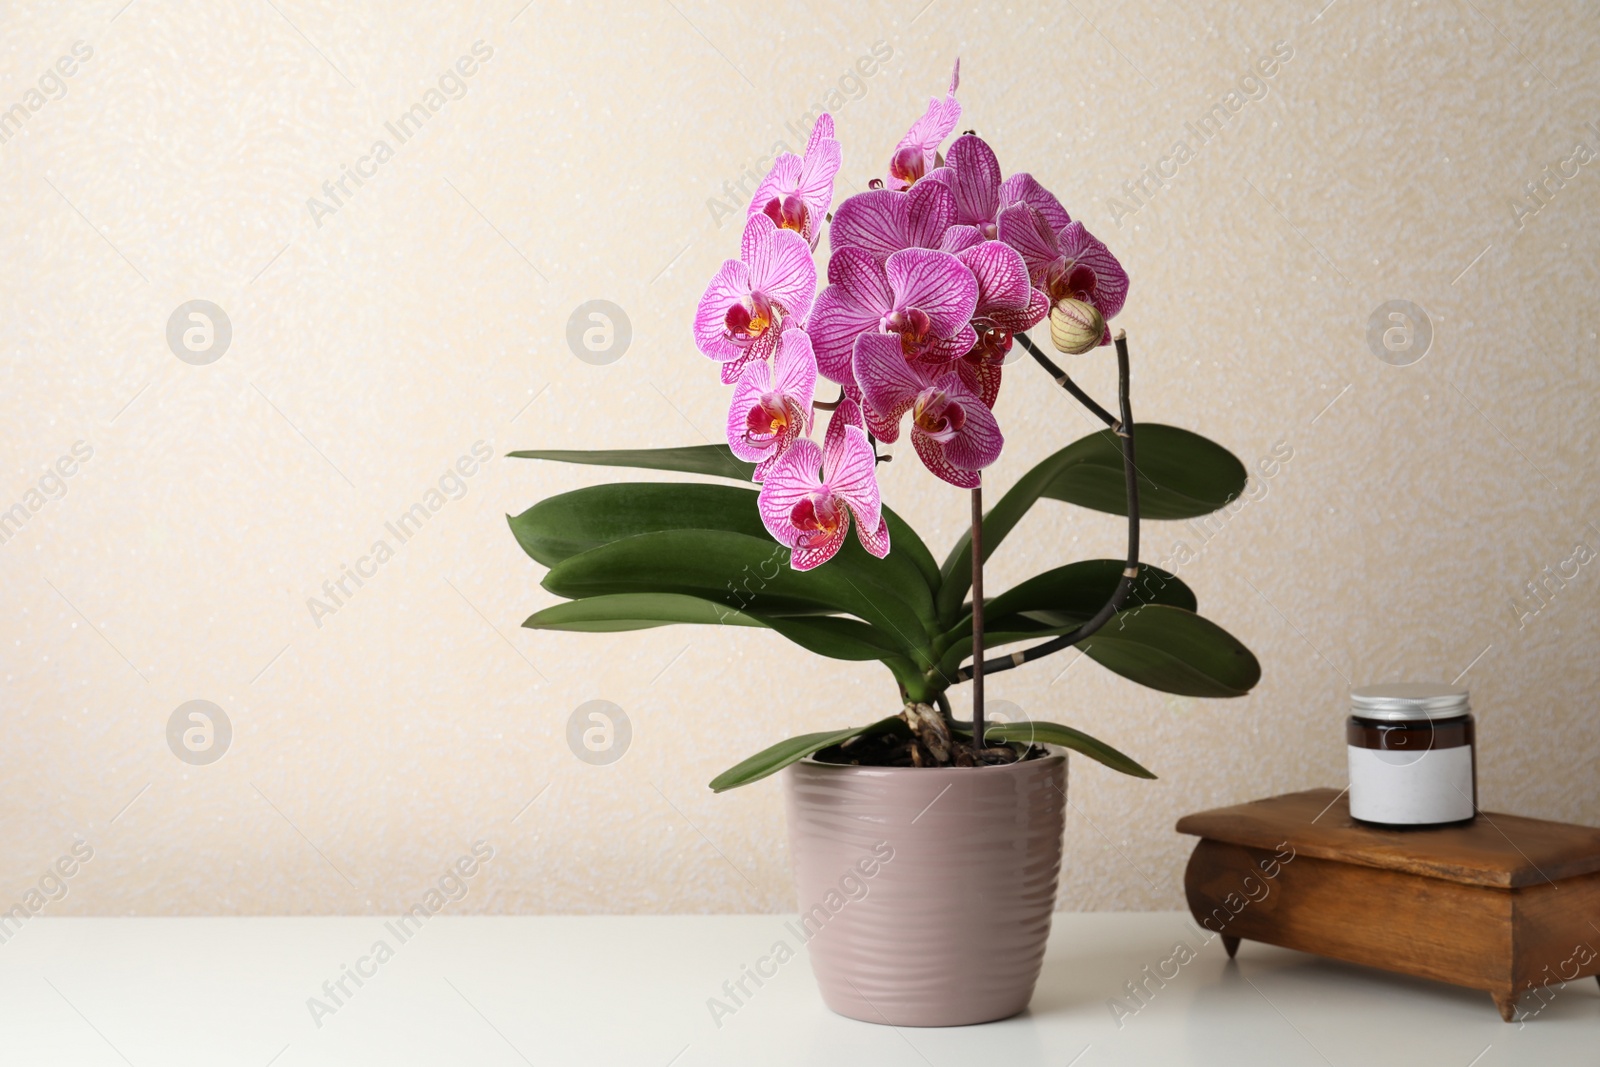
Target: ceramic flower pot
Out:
[926,893]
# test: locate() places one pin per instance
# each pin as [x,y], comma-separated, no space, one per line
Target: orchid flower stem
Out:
[977,616]
[976,670]
[1065,381]
[829,405]
[876,458]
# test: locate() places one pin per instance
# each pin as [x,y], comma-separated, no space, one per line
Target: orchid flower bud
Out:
[1075,326]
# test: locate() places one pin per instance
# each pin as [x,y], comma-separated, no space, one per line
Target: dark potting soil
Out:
[898,750]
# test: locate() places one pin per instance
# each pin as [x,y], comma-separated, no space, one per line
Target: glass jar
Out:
[1412,758]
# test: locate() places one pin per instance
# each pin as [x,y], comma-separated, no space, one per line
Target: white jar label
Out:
[1402,788]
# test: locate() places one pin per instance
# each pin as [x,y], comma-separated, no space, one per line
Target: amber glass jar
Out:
[1412,758]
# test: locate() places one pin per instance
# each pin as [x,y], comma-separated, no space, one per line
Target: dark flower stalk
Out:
[1123,428]
[978,742]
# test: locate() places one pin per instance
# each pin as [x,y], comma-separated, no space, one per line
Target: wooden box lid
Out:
[1503,851]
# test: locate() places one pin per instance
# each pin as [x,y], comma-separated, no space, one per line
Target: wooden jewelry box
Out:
[1505,904]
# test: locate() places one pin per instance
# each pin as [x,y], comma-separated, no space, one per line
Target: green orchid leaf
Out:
[1078,472]
[636,611]
[715,460]
[569,523]
[1181,474]
[1175,651]
[834,637]
[1079,590]
[908,545]
[748,573]
[998,522]
[774,759]
[1160,646]
[1058,602]
[1000,632]
[1049,733]
[565,525]
[826,635]
[720,462]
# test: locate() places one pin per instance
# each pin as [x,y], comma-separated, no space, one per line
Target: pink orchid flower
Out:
[811,514]
[953,431]
[1024,189]
[982,198]
[798,191]
[1007,305]
[975,180]
[918,151]
[749,300]
[1069,263]
[922,298]
[772,403]
[848,413]
[883,221]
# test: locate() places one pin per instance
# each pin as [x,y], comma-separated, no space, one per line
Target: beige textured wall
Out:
[373,347]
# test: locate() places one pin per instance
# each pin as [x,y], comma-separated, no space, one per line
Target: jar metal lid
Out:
[1408,701]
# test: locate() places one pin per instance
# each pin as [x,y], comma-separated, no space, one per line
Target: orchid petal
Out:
[874,221]
[930,211]
[784,270]
[861,278]
[821,130]
[876,542]
[944,349]
[1111,281]
[799,422]
[937,284]
[848,413]
[1021,227]
[889,382]
[883,427]
[807,557]
[793,477]
[977,180]
[796,368]
[855,412]
[978,443]
[759,475]
[932,455]
[855,301]
[729,286]
[780,181]
[1024,189]
[1019,319]
[757,352]
[815,186]
[835,324]
[1001,274]
[929,131]
[753,383]
[982,379]
[850,468]
[958,239]
[757,229]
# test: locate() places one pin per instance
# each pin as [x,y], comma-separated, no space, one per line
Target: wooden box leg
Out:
[1507,1003]
[1231,943]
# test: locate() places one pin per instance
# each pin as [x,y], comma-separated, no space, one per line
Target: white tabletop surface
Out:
[635,990]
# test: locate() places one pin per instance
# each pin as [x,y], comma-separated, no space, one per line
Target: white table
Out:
[593,990]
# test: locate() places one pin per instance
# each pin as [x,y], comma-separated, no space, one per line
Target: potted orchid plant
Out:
[952,828]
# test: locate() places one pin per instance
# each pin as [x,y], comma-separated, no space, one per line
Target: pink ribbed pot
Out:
[926,893]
